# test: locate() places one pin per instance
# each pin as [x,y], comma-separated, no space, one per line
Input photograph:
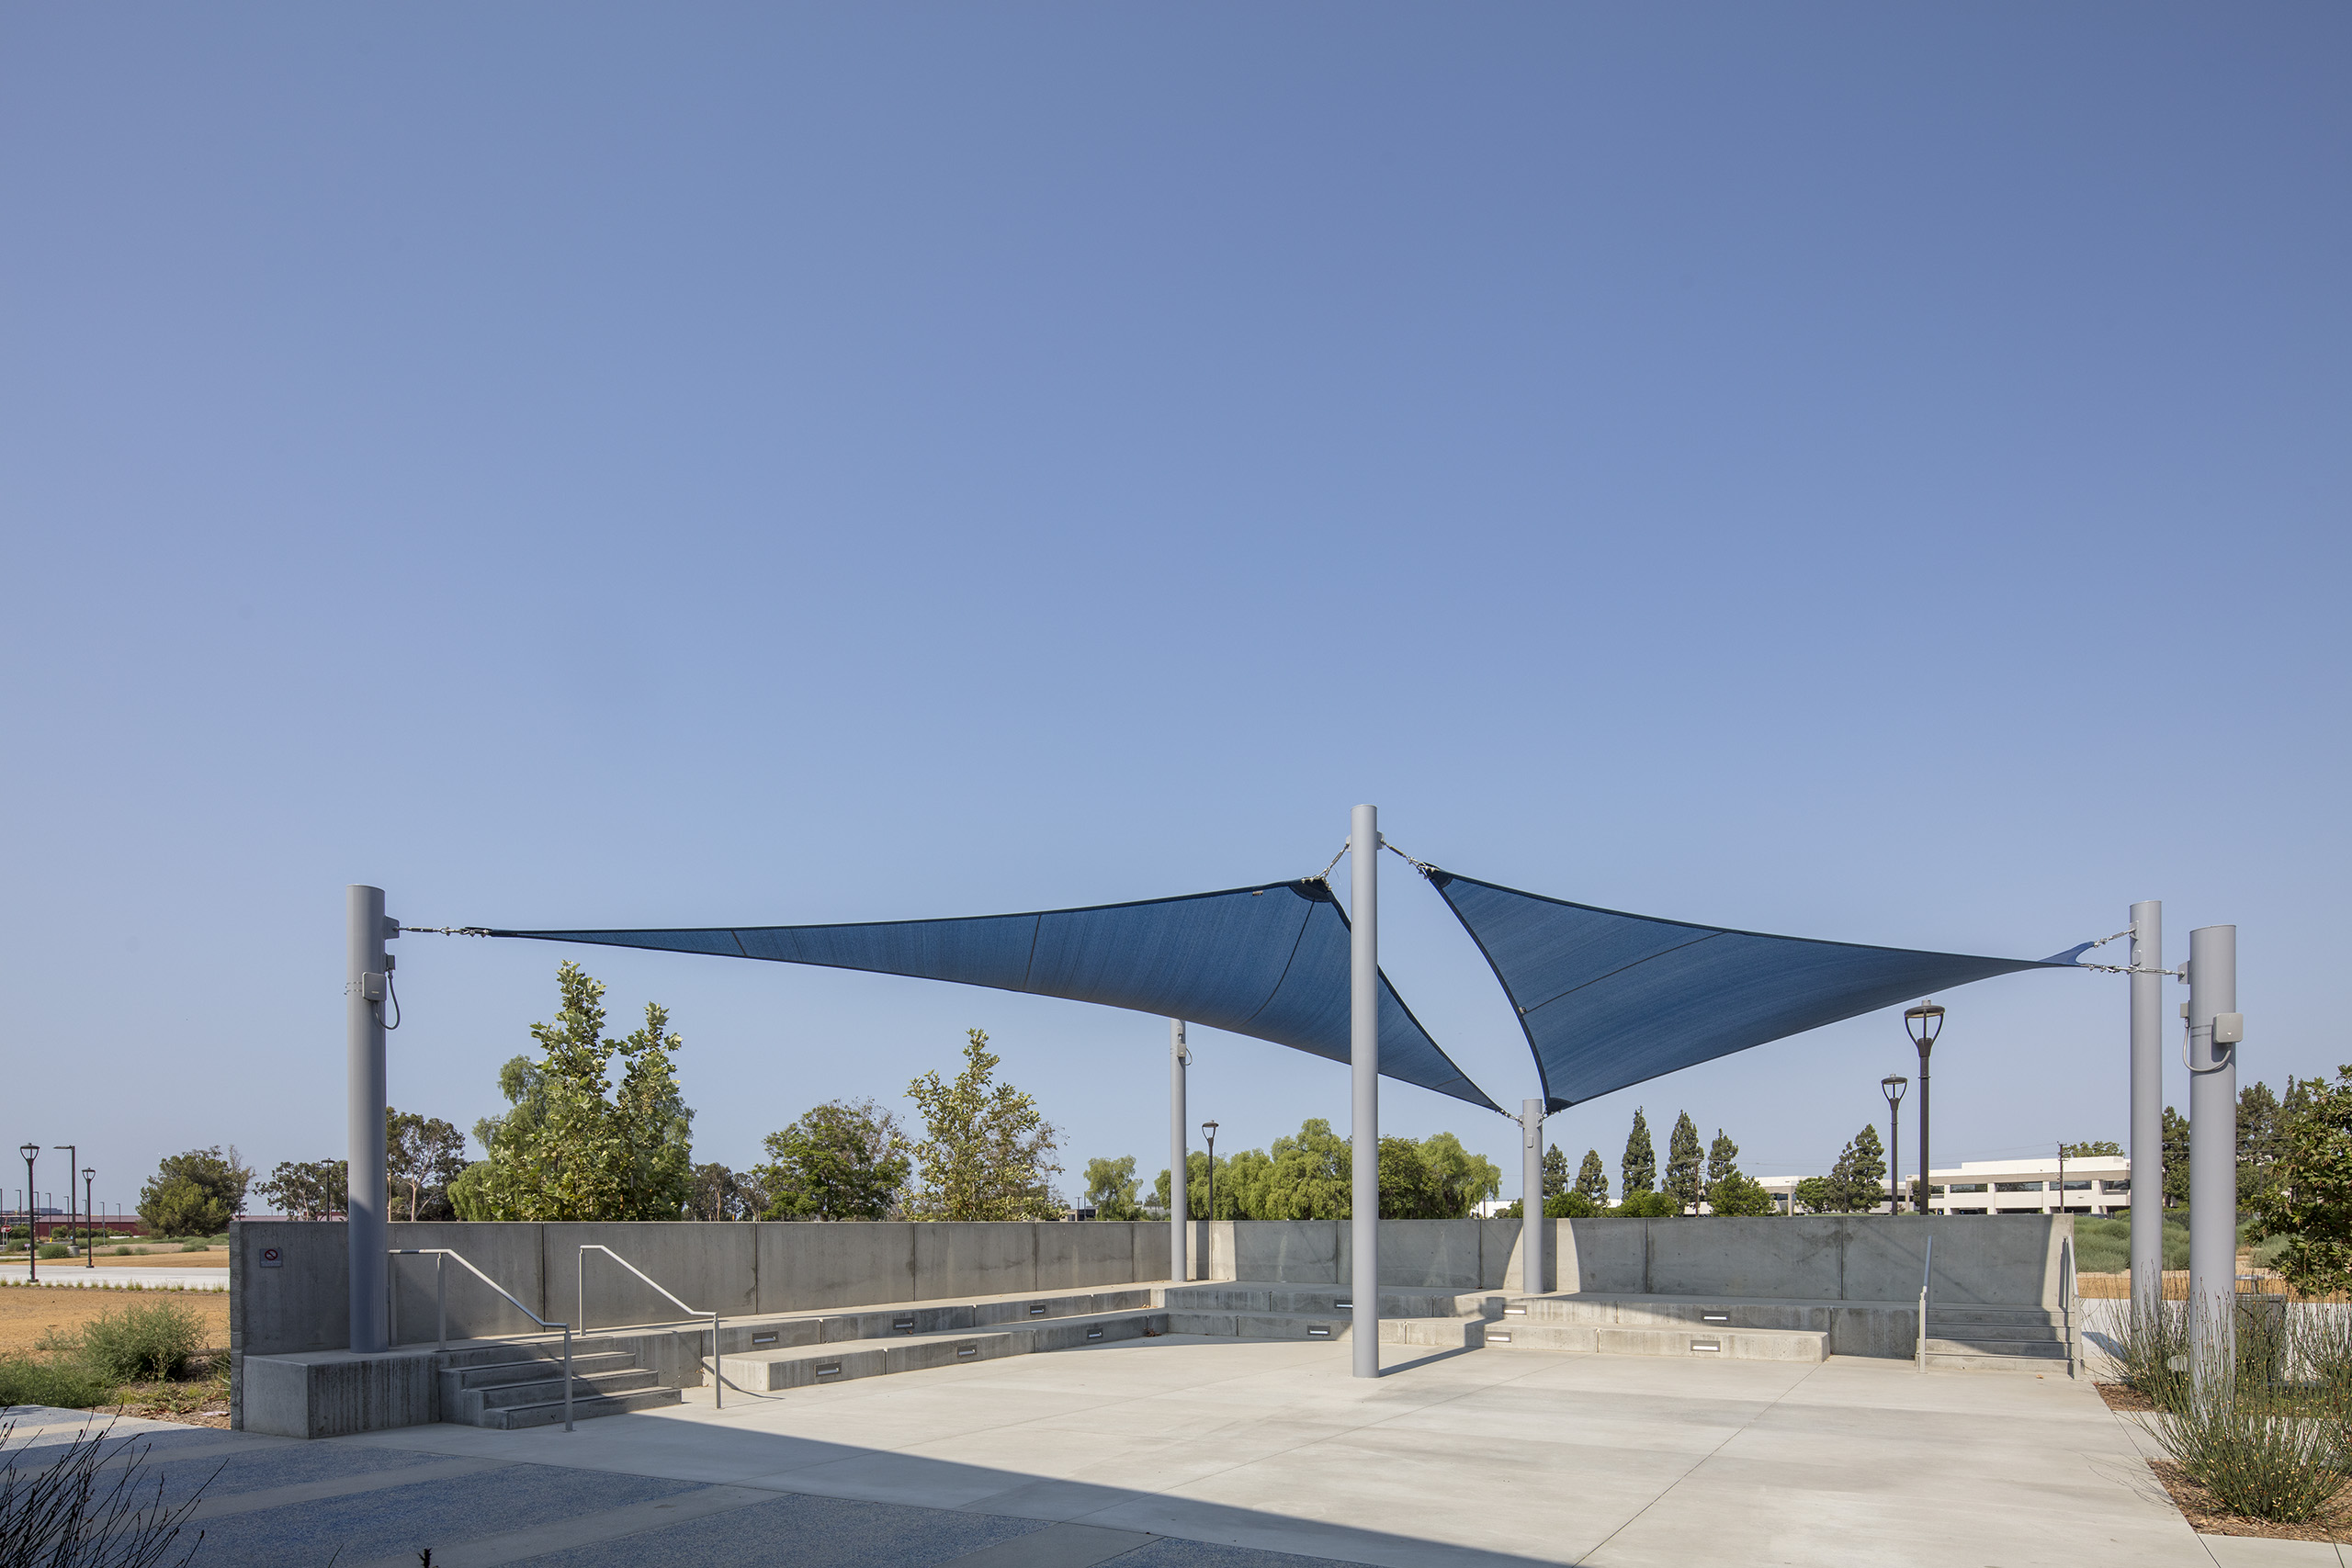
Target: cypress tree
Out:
[1641,1157]
[1592,1179]
[1723,1158]
[1858,1179]
[1682,1160]
[1556,1171]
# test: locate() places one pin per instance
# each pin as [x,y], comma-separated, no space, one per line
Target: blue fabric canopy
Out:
[1270,961]
[1610,999]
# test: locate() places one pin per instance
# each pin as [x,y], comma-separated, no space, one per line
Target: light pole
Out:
[73,1155]
[33,1231]
[89,1225]
[1208,1131]
[1923,1023]
[1891,1085]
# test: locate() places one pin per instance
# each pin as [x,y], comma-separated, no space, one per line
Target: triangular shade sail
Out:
[1610,999]
[1270,962]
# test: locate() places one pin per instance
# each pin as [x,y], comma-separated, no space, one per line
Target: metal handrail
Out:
[1927,1264]
[441,1301]
[579,1286]
[2067,1281]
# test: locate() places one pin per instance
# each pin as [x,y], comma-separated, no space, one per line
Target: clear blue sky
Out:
[1866,472]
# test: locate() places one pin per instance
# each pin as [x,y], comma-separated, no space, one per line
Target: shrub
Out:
[2261,1459]
[145,1342]
[85,1510]
[196,1246]
[1648,1206]
[55,1250]
[1571,1206]
[66,1383]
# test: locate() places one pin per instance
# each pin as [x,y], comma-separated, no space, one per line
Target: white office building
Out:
[2047,1185]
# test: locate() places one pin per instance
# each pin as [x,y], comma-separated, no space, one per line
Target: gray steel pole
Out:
[1178,1214]
[1531,1272]
[2212,1151]
[364,1128]
[1363,1056]
[2147,1102]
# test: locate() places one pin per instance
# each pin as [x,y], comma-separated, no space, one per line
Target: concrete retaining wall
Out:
[300,1303]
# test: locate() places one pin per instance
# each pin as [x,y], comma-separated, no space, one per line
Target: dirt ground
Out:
[157,1257]
[29,1312]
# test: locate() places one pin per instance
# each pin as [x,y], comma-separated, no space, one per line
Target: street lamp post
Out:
[1208,1131]
[1923,1023]
[89,1225]
[72,1157]
[1891,1085]
[33,1232]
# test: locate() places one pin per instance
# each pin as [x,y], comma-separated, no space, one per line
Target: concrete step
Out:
[770,1370]
[550,1413]
[512,1395]
[535,1369]
[1995,1345]
[1439,1333]
[2020,1316]
[1616,1339]
[1253,1297]
[546,1349]
[1941,1327]
[760,1335]
[1972,1361]
[1697,1313]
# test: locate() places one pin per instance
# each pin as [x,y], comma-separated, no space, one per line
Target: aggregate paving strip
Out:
[29,1311]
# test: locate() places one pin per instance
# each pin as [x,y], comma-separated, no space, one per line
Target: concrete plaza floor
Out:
[1180,1452]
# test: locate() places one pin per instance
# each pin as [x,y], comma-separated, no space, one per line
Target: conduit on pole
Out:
[1363,1057]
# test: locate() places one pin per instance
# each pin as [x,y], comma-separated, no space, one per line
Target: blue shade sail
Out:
[1270,961]
[1610,999]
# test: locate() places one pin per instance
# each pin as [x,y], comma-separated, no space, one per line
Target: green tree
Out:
[842,1160]
[195,1193]
[1728,1191]
[1816,1195]
[2310,1203]
[1461,1180]
[1241,1184]
[313,1189]
[1408,1190]
[1307,1176]
[2086,1151]
[1859,1179]
[1647,1206]
[2258,1140]
[1573,1205]
[423,1154]
[717,1193]
[1683,1163]
[576,1147]
[1111,1188]
[2175,1185]
[1556,1171]
[1592,1179]
[988,1153]
[1640,1166]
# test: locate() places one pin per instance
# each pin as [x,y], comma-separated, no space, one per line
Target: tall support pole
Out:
[1532,1275]
[363,1127]
[2212,1151]
[1363,1056]
[1180,1213]
[2147,1103]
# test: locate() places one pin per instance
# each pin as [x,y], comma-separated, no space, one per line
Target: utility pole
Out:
[1179,1216]
[1363,1057]
[2215,1030]
[1531,1207]
[365,988]
[2148,1104]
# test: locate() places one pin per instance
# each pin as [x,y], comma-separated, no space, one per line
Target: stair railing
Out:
[441,1303]
[2067,1303]
[580,1283]
[1928,1263]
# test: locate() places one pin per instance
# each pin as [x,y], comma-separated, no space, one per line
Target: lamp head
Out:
[1893,1086]
[1208,1130]
[1924,1022]
[88,1174]
[29,1150]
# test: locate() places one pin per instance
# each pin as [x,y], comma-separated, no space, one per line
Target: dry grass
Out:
[29,1313]
[2118,1287]
[158,1256]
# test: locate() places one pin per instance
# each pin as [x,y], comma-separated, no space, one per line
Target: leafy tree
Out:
[1816,1195]
[2175,1159]
[989,1153]
[2258,1140]
[1640,1168]
[1461,1180]
[195,1193]
[1592,1179]
[716,1192]
[2310,1204]
[2087,1151]
[313,1189]
[469,1192]
[1242,1179]
[424,1154]
[1682,1159]
[1556,1171]
[1111,1188]
[1307,1176]
[842,1160]
[1573,1205]
[576,1147]
[1740,1196]
[1859,1179]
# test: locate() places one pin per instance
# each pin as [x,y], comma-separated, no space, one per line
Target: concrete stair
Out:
[1998,1339]
[509,1386]
[815,1363]
[1437,1319]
